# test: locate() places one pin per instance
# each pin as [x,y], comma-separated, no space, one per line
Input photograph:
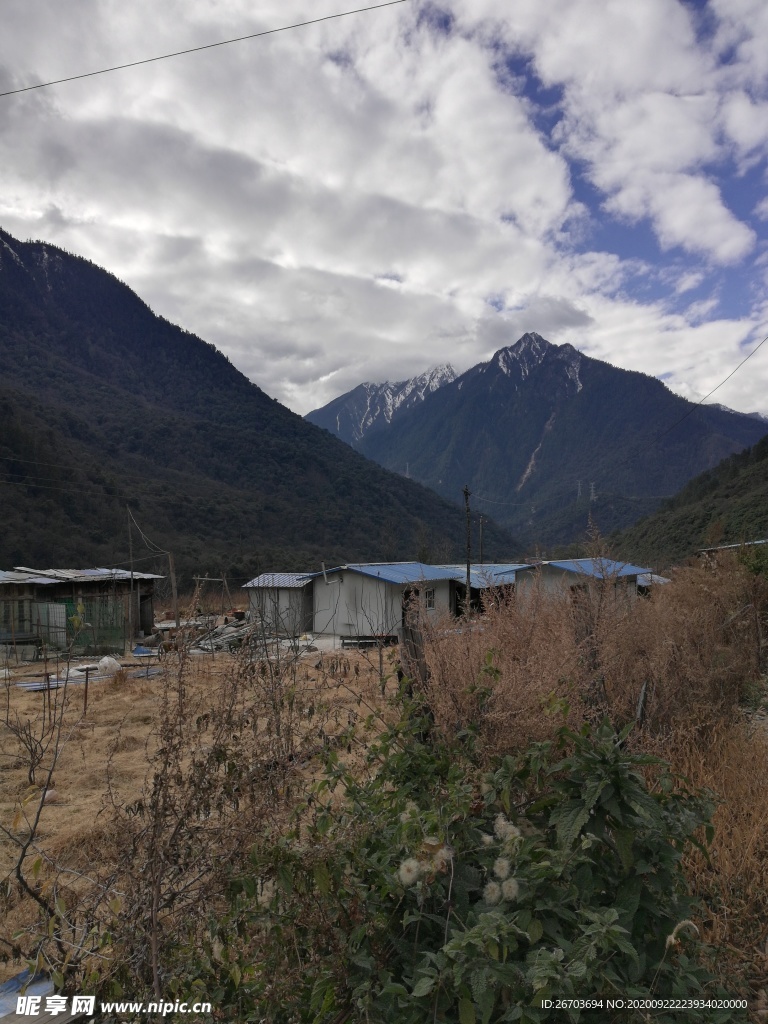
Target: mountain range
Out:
[106,407]
[550,440]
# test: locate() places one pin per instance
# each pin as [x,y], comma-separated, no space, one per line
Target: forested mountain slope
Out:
[104,405]
[725,505]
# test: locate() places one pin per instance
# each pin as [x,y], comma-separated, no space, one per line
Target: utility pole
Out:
[592,495]
[130,605]
[481,540]
[174,591]
[467,493]
[578,496]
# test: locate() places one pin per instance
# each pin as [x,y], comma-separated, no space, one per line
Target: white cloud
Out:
[338,203]
[688,280]
[688,212]
[746,123]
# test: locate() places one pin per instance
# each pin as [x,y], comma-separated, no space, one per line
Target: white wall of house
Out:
[352,604]
[285,610]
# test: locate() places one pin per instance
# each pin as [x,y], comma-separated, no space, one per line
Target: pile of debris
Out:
[243,634]
[229,636]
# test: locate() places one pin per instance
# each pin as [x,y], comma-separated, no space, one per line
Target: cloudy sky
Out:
[371,196]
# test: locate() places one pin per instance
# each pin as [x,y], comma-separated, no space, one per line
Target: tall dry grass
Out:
[683,658]
[685,665]
[733,881]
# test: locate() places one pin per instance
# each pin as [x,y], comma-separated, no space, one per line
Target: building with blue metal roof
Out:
[364,600]
[562,575]
[369,600]
[598,568]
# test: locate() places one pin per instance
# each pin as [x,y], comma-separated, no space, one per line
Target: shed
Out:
[102,606]
[369,600]
[281,602]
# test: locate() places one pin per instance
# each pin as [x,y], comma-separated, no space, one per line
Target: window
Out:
[429,598]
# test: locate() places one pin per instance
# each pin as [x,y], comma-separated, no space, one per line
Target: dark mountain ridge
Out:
[548,438]
[724,505]
[104,405]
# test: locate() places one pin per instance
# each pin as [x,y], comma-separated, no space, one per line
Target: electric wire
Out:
[198,49]
[694,407]
[32,462]
[151,546]
[90,486]
[77,489]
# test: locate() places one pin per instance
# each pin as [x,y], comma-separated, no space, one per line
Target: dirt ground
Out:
[109,746]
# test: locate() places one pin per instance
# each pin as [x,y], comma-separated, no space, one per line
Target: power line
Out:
[77,489]
[150,544]
[197,49]
[511,504]
[144,558]
[32,462]
[89,485]
[695,406]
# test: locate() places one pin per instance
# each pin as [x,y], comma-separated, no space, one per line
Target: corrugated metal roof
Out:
[273,580]
[395,572]
[598,568]
[86,575]
[459,574]
[14,576]
[648,579]
[404,572]
[487,574]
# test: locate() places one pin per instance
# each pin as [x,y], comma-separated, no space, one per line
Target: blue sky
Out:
[363,199]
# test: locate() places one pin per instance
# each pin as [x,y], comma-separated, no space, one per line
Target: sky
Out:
[365,198]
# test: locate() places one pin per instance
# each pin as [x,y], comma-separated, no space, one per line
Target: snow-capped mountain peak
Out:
[372,406]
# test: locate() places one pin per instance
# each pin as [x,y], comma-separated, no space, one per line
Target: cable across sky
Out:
[198,49]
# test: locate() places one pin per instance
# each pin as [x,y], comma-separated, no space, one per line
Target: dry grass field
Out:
[107,758]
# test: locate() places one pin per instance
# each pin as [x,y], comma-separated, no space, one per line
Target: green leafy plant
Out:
[421,887]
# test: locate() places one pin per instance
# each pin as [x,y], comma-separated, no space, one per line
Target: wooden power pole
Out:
[467,493]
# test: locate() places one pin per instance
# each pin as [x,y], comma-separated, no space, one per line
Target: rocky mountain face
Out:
[549,440]
[371,407]
[105,406]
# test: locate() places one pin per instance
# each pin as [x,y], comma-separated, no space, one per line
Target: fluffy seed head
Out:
[672,939]
[504,829]
[409,871]
[492,893]
[501,868]
[441,861]
[411,810]
[510,889]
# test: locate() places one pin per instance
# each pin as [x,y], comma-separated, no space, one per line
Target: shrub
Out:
[422,888]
